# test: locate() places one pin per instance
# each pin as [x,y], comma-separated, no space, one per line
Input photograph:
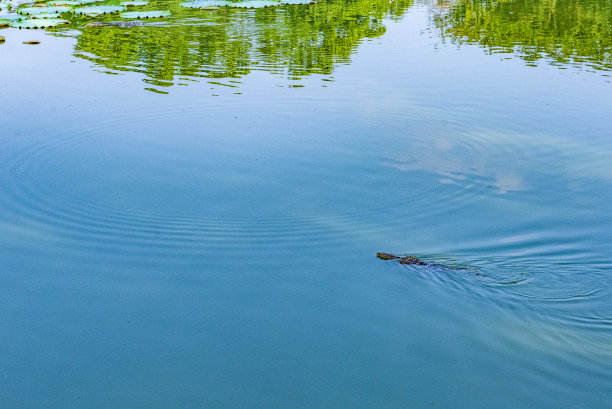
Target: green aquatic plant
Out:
[38,23]
[562,32]
[94,11]
[197,4]
[247,4]
[134,3]
[45,15]
[254,4]
[290,2]
[145,14]
[11,17]
[73,3]
[69,3]
[29,11]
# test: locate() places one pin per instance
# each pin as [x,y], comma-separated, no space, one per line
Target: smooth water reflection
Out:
[186,250]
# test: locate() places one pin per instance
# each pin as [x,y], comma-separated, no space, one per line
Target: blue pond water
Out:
[215,246]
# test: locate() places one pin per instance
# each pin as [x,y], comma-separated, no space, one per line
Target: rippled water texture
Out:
[213,243]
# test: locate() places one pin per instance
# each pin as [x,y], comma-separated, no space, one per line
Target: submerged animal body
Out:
[402,260]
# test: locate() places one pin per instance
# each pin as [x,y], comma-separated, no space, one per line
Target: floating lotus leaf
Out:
[29,11]
[10,17]
[94,11]
[145,14]
[74,3]
[45,15]
[254,4]
[134,3]
[38,23]
[65,3]
[198,4]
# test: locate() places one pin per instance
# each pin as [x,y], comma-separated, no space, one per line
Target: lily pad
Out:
[10,17]
[198,4]
[73,3]
[145,14]
[94,11]
[134,3]
[45,15]
[254,4]
[65,3]
[29,11]
[39,23]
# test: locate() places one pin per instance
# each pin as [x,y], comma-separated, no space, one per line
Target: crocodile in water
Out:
[402,260]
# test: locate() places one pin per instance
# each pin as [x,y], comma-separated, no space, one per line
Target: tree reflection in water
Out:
[562,32]
[229,43]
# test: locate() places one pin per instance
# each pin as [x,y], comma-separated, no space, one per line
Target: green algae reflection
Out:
[291,40]
[560,32]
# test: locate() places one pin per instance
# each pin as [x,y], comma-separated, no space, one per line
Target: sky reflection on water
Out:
[215,246]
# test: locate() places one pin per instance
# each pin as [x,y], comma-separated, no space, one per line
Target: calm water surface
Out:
[190,209]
